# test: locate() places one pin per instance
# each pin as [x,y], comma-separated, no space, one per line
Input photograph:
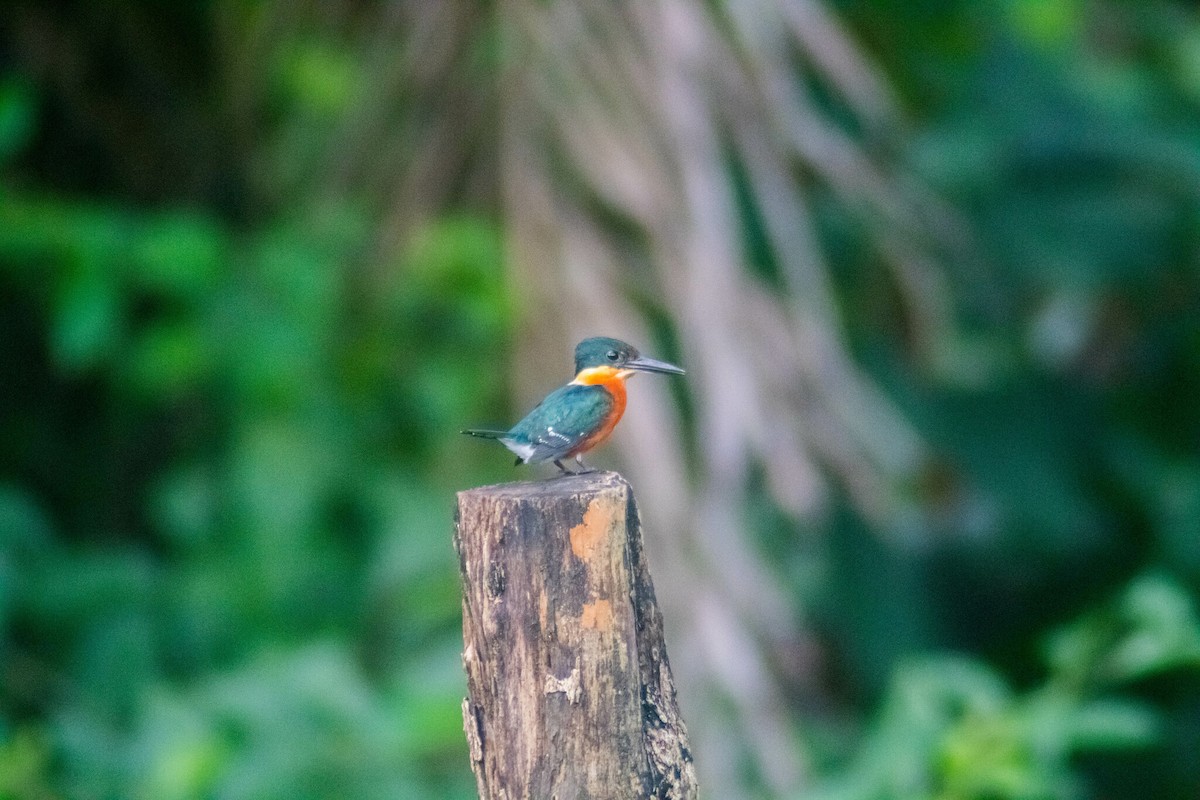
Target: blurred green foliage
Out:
[1063,417]
[225,566]
[225,562]
[227,461]
[951,727]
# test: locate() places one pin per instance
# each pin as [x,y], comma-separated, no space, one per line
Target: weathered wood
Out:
[571,696]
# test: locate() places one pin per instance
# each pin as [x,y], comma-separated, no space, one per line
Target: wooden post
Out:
[570,691]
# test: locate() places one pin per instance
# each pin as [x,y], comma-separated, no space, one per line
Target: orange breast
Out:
[614,381]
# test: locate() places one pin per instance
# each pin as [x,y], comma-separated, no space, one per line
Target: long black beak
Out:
[643,364]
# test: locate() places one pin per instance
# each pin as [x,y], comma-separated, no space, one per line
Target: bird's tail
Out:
[485,434]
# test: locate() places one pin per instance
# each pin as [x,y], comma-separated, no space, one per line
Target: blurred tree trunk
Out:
[628,129]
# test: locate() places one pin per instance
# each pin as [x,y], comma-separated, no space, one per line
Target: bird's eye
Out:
[612,355]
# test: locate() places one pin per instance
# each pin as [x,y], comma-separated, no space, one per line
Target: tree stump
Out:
[570,691]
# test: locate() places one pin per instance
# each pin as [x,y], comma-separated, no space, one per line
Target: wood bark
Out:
[570,690]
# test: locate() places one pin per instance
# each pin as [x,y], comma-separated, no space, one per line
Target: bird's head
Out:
[601,359]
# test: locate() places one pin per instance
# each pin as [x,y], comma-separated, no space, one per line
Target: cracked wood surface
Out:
[570,690]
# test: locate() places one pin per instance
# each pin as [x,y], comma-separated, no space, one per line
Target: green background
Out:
[229,405]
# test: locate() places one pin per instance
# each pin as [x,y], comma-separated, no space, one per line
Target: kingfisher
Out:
[575,418]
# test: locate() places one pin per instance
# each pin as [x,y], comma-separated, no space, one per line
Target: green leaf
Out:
[25,525]
[1113,724]
[167,359]
[17,117]
[88,320]
[180,255]
[1165,630]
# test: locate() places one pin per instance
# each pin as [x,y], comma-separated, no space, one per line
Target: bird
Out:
[579,416]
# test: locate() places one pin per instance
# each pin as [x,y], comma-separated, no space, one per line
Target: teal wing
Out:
[561,422]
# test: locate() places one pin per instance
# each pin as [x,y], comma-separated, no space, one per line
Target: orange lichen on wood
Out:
[597,615]
[587,535]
